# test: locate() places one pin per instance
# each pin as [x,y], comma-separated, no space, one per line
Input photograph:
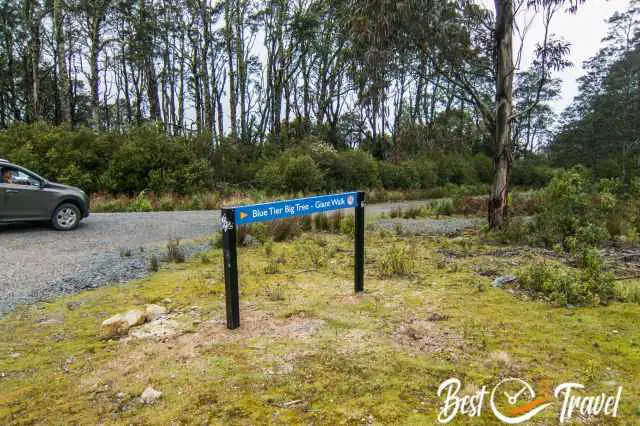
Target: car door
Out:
[2,213]
[24,198]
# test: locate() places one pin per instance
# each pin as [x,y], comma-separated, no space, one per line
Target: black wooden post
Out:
[228,226]
[359,244]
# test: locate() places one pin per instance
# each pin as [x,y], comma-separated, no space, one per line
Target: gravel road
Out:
[39,263]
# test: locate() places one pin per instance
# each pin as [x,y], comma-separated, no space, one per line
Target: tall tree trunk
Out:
[8,49]
[181,94]
[63,76]
[152,88]
[209,118]
[94,78]
[233,99]
[241,69]
[504,108]
[125,80]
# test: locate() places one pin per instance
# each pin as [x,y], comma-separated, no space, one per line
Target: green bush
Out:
[566,286]
[397,261]
[443,207]
[302,174]
[348,225]
[141,204]
[569,209]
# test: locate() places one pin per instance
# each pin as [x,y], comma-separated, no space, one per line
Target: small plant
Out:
[443,208]
[268,249]
[125,252]
[272,267]
[397,262]
[154,263]
[174,251]
[395,213]
[412,213]
[628,292]
[348,225]
[141,204]
[205,259]
[275,292]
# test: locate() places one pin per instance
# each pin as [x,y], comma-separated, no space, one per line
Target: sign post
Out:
[359,243]
[233,217]
[232,296]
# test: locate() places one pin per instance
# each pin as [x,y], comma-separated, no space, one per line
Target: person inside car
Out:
[7,176]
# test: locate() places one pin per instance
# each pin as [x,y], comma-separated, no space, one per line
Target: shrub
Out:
[396,213]
[443,207]
[302,174]
[348,225]
[563,286]
[397,261]
[628,292]
[568,209]
[141,204]
[175,252]
[349,170]
[154,263]
[412,213]
[274,292]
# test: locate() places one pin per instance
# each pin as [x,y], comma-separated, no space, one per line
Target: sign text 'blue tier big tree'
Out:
[244,215]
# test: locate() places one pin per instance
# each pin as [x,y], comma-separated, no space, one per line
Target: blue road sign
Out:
[291,208]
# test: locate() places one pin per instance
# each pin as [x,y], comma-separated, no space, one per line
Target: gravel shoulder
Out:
[40,263]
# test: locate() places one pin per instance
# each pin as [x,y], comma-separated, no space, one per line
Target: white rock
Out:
[119,325]
[153,312]
[150,395]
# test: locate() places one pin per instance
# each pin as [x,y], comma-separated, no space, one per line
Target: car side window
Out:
[12,176]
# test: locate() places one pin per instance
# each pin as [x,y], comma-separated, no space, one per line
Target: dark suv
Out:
[25,196]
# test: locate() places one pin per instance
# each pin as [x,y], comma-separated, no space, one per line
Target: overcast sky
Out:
[584,30]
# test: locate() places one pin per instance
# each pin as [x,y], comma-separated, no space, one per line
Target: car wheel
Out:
[66,217]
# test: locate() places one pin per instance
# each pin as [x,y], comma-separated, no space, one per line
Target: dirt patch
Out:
[185,347]
[350,299]
[428,336]
[256,324]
